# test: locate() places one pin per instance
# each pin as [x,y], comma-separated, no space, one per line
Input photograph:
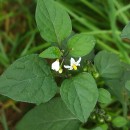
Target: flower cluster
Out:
[73,65]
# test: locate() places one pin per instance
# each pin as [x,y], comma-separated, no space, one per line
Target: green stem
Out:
[112,17]
[92,6]
[38,48]
[124,17]
[3,51]
[124,104]
[121,10]
[3,120]
[125,109]
[106,47]
[81,20]
[28,45]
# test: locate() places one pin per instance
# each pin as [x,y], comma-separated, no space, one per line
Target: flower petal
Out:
[55,65]
[68,67]
[78,62]
[72,61]
[71,68]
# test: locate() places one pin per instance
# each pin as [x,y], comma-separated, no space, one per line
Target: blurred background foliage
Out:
[19,35]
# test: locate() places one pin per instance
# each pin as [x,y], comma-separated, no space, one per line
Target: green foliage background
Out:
[104,19]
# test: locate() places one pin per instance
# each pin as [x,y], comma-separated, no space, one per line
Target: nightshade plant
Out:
[65,80]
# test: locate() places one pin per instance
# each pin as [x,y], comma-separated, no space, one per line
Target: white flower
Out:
[73,64]
[56,66]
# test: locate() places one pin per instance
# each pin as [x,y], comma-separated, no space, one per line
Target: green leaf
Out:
[28,79]
[80,94]
[51,52]
[119,121]
[108,65]
[97,128]
[81,44]
[53,115]
[53,21]
[117,86]
[116,89]
[104,96]
[127,85]
[104,126]
[126,32]
[101,127]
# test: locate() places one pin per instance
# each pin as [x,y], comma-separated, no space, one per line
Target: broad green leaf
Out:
[104,126]
[52,20]
[81,44]
[97,128]
[53,115]
[80,94]
[119,121]
[117,86]
[126,32]
[101,127]
[127,85]
[108,65]
[28,79]
[52,53]
[116,89]
[104,96]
